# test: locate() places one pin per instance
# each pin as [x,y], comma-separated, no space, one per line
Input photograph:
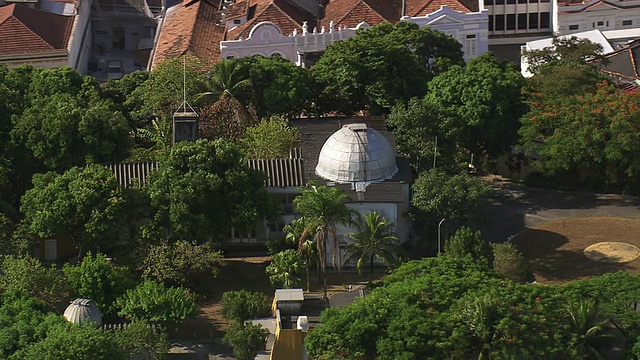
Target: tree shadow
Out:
[551,260]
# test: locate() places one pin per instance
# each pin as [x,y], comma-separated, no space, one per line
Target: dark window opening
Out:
[544,20]
[600,23]
[522,21]
[533,21]
[499,22]
[491,23]
[574,27]
[511,21]
[627,22]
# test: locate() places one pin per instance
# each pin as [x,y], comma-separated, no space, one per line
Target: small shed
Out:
[81,310]
[288,301]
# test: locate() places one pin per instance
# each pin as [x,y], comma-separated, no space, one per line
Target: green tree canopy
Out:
[465,242]
[382,66]
[242,305]
[83,203]
[286,268]
[485,100]
[203,189]
[270,138]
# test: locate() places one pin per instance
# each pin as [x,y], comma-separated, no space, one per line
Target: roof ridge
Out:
[359,2]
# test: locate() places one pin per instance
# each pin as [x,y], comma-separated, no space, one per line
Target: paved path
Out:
[515,208]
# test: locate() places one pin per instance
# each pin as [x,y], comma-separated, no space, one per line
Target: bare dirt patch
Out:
[556,250]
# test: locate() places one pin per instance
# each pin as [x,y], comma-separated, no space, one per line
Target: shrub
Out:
[467,243]
[509,262]
[245,339]
[242,305]
[155,303]
[143,341]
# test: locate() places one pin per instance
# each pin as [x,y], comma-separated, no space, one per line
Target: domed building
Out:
[81,310]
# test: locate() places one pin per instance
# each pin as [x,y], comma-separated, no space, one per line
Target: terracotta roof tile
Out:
[280,12]
[190,28]
[352,12]
[424,7]
[25,30]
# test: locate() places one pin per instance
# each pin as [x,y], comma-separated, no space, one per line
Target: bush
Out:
[183,264]
[270,139]
[467,243]
[245,339]
[143,341]
[286,268]
[155,303]
[509,262]
[242,305]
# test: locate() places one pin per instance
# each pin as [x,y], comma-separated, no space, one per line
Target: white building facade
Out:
[597,14]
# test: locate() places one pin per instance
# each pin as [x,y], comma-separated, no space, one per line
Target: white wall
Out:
[600,16]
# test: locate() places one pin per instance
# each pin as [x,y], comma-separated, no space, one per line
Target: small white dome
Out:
[81,310]
[356,153]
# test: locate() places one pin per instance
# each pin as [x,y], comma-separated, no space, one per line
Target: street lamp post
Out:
[439,224]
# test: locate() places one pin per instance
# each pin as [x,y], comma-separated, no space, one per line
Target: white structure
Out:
[595,36]
[574,17]
[81,310]
[470,29]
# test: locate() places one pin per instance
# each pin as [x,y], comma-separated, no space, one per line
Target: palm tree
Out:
[325,207]
[481,317]
[285,268]
[589,326]
[295,230]
[375,239]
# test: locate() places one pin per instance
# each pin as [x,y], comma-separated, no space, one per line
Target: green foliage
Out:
[484,112]
[84,203]
[375,239]
[270,139]
[242,305]
[23,322]
[563,51]
[589,325]
[278,86]
[460,199]
[467,243]
[143,341]
[96,278]
[245,339]
[182,264]
[509,262]
[70,341]
[587,140]
[203,189]
[27,274]
[382,66]
[285,269]
[153,302]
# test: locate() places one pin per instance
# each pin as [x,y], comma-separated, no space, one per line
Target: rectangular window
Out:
[499,2]
[511,2]
[511,21]
[544,20]
[499,22]
[522,21]
[470,45]
[574,27]
[627,22]
[533,21]
[236,21]
[522,2]
[491,23]
[600,23]
[488,2]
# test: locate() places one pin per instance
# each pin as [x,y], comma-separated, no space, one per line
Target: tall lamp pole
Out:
[439,224]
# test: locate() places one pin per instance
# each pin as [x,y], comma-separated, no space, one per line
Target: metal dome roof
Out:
[81,310]
[356,154]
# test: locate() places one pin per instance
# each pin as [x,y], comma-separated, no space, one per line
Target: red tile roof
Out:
[191,28]
[28,31]
[424,7]
[352,12]
[280,12]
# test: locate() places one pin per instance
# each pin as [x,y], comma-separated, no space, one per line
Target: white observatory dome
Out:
[81,310]
[356,154]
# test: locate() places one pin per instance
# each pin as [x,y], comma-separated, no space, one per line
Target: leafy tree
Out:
[382,66]
[23,322]
[120,92]
[27,274]
[375,239]
[143,341]
[564,50]
[486,112]
[182,264]
[242,305]
[270,139]
[467,243]
[586,139]
[300,235]
[246,339]
[203,189]
[460,199]
[83,203]
[285,268]
[155,303]
[416,126]
[96,278]
[278,86]
[508,261]
[71,341]
[325,208]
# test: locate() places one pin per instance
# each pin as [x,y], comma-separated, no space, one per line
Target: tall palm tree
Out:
[295,230]
[325,207]
[375,239]
[588,324]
